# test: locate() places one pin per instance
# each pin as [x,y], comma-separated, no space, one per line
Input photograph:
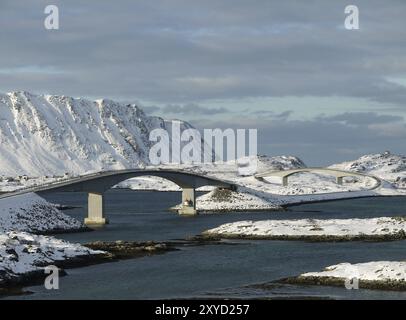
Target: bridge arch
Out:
[338,174]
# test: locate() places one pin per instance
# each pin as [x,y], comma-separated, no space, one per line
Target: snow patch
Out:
[31,213]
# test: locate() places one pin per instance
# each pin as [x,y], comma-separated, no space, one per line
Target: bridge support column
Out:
[188,202]
[285,181]
[339,180]
[95,210]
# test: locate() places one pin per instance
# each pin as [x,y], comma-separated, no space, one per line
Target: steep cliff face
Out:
[51,135]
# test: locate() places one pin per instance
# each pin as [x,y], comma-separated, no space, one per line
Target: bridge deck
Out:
[102,181]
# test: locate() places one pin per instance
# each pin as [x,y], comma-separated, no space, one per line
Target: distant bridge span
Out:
[338,174]
[96,184]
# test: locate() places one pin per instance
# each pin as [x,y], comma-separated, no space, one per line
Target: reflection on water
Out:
[216,270]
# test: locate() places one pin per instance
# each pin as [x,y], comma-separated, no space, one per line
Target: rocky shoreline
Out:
[377,275]
[112,251]
[15,285]
[314,230]
[131,249]
[401,235]
[57,231]
[390,285]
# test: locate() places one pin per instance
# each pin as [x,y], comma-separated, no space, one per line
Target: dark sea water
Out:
[223,270]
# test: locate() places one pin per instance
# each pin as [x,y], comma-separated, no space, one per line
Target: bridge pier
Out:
[285,181]
[339,180]
[95,210]
[188,202]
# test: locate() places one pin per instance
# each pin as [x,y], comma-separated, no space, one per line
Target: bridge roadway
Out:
[96,184]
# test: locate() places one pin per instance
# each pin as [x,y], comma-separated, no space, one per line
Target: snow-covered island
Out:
[23,256]
[31,213]
[384,228]
[382,275]
[24,252]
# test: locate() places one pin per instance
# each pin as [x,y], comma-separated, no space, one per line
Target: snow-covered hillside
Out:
[31,213]
[279,163]
[44,135]
[387,166]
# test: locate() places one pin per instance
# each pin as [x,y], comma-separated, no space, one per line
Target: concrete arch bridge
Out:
[338,174]
[96,184]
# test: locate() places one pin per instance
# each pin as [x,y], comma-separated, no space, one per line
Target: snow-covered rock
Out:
[376,270]
[385,275]
[279,163]
[23,253]
[223,200]
[31,213]
[384,228]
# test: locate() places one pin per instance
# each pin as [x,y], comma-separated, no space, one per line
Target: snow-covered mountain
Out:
[51,135]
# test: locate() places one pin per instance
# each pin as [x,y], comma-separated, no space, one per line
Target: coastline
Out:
[16,285]
[288,205]
[112,251]
[315,238]
[390,285]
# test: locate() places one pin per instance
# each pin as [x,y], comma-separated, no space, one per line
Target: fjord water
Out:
[222,270]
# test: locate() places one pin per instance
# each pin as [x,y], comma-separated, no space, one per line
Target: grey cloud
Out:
[150,109]
[283,115]
[192,109]
[186,51]
[362,118]
[270,113]
[179,53]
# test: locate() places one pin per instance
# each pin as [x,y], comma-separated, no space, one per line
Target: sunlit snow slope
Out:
[51,135]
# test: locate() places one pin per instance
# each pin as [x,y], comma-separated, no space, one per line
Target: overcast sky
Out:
[289,68]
